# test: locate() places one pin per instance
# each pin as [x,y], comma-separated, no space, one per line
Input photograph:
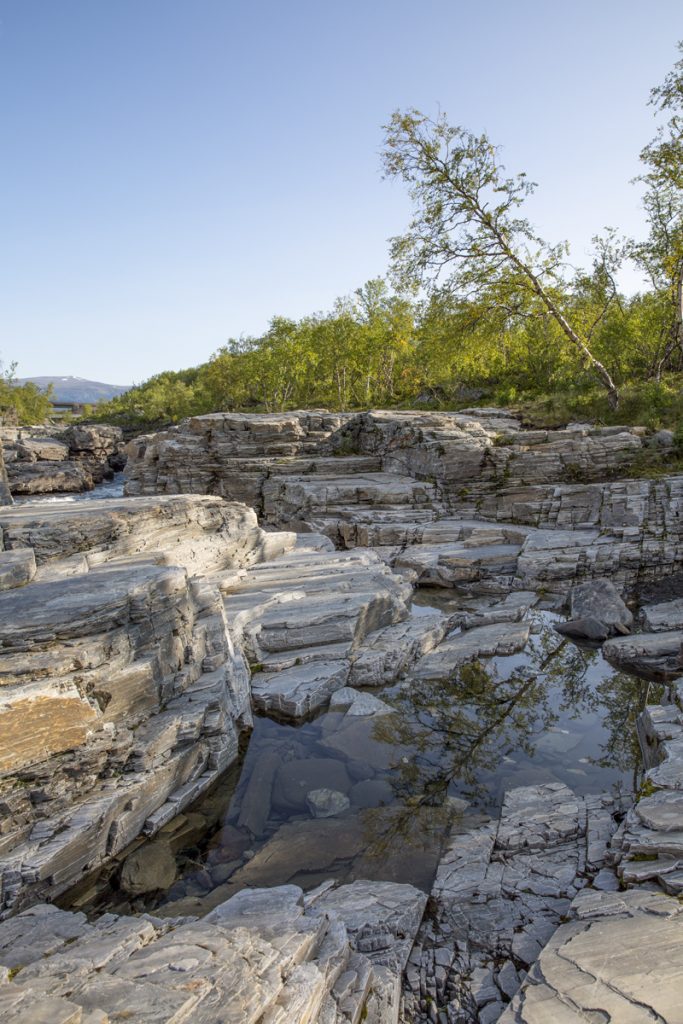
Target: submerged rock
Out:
[327,803]
[149,868]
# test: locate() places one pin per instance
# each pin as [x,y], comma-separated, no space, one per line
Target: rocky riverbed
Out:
[346,717]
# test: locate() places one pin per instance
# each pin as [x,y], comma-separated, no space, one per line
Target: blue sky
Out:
[175,172]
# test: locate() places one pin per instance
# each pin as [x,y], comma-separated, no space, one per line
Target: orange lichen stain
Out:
[32,729]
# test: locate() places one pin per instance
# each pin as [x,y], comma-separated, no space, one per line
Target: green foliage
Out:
[22,404]
[503,318]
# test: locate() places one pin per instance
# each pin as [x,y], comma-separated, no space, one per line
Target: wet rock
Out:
[371,793]
[601,601]
[231,844]
[356,703]
[585,629]
[359,741]
[149,868]
[303,846]
[296,779]
[652,655]
[255,808]
[327,803]
[221,872]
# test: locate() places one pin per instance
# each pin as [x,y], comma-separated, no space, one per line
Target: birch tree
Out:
[467,226]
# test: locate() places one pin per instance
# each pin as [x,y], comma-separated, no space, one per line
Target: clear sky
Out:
[175,172]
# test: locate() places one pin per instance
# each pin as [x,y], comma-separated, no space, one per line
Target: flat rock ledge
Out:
[272,956]
[620,960]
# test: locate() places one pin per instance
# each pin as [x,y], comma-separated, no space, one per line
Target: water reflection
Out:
[439,751]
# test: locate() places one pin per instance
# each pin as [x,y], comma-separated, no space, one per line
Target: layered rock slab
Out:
[123,696]
[5,493]
[74,460]
[312,621]
[199,533]
[122,699]
[274,956]
[621,959]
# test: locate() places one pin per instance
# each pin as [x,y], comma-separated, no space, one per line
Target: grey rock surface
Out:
[599,599]
[621,959]
[264,956]
[500,893]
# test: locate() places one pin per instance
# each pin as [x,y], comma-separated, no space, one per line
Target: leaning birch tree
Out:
[466,224]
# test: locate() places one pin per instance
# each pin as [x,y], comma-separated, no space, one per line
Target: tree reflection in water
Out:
[459,730]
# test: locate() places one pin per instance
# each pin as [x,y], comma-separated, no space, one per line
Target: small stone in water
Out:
[327,803]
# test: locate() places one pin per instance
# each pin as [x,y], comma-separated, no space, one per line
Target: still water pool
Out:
[349,796]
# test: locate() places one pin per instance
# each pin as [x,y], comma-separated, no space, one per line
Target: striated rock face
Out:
[73,460]
[479,498]
[122,699]
[123,696]
[227,453]
[270,955]
[199,533]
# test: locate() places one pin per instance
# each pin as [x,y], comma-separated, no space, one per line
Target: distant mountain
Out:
[76,389]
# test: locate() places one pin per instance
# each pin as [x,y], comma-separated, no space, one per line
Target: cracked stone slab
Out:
[620,962]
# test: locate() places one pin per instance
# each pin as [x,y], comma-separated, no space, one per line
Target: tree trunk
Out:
[678,311]
[595,364]
[599,368]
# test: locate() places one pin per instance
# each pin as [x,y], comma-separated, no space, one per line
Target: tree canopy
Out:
[482,307]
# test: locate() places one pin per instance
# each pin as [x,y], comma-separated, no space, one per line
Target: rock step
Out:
[263,956]
[17,568]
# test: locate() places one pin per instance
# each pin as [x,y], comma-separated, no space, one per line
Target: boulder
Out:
[17,568]
[599,600]
[584,629]
[149,868]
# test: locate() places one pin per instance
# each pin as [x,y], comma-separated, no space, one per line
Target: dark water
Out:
[445,756]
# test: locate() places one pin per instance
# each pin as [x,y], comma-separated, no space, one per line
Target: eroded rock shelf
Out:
[438,813]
